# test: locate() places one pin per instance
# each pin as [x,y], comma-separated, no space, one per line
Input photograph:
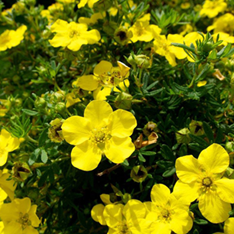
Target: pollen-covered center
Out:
[99,137]
[24,220]
[166,214]
[73,33]
[207,182]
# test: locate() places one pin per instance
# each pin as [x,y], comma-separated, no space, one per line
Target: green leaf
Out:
[44,156]
[201,221]
[141,158]
[209,132]
[29,112]
[184,47]
[43,137]
[167,153]
[148,153]
[169,172]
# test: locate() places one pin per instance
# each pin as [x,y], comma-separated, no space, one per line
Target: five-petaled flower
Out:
[100,131]
[202,179]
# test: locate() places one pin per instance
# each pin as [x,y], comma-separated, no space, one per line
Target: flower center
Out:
[207,182]
[99,137]
[123,228]
[166,214]
[73,33]
[24,220]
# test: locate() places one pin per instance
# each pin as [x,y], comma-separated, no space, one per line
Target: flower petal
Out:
[229,226]
[214,159]
[88,82]
[97,214]
[102,68]
[122,123]
[101,93]
[160,194]
[118,149]
[213,208]
[23,205]
[225,189]
[181,222]
[76,130]
[33,217]
[113,214]
[187,168]
[13,227]
[186,192]
[98,113]
[85,157]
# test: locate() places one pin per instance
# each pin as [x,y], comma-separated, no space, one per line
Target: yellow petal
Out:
[30,230]
[214,159]
[181,222]
[113,214]
[97,214]
[122,123]
[187,168]
[160,194]
[85,157]
[134,209]
[76,44]
[229,226]
[186,192]
[201,83]
[60,26]
[88,82]
[102,68]
[105,198]
[76,130]
[225,189]
[23,205]
[101,93]
[118,149]
[98,113]
[35,221]
[124,69]
[13,227]
[9,142]
[3,157]
[159,227]
[213,208]
[92,36]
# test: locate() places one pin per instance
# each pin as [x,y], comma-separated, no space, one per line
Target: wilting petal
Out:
[187,168]
[213,208]
[85,157]
[214,159]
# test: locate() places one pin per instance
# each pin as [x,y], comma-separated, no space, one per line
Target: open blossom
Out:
[19,217]
[228,227]
[104,78]
[12,38]
[8,143]
[213,8]
[202,179]
[100,131]
[167,212]
[73,35]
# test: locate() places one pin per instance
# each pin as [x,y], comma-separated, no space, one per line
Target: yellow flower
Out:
[93,19]
[100,131]
[163,47]
[7,187]
[126,219]
[225,37]
[104,79]
[4,106]
[213,8]
[19,217]
[84,2]
[167,212]
[73,35]
[143,31]
[228,227]
[12,38]
[202,179]
[224,23]
[7,144]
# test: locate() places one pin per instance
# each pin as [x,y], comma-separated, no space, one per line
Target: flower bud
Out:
[141,61]
[21,171]
[196,128]
[126,197]
[55,131]
[182,136]
[149,128]
[40,103]
[60,107]
[229,146]
[123,101]
[122,35]
[138,173]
